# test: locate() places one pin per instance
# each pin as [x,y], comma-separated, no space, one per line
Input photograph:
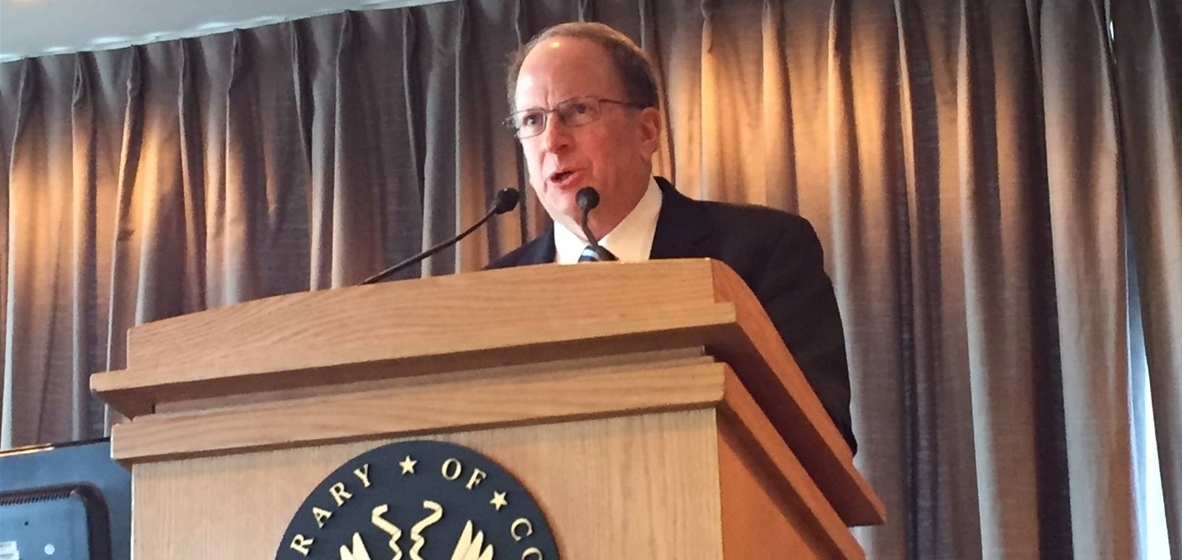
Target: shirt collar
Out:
[630,241]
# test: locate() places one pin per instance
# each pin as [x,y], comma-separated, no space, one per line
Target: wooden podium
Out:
[651,410]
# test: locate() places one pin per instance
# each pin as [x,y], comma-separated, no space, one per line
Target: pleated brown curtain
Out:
[984,177]
[1149,82]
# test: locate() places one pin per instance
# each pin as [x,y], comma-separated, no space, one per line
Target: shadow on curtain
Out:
[971,168]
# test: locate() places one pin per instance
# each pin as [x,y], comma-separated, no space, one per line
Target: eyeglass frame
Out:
[599,101]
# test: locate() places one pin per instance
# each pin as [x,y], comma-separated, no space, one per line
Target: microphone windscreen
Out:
[507,200]
[587,198]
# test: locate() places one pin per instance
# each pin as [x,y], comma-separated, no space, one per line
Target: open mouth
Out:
[561,176]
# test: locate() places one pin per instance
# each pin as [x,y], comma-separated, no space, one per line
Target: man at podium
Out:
[586,113]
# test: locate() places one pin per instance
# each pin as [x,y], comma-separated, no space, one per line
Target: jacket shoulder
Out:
[524,255]
[757,221]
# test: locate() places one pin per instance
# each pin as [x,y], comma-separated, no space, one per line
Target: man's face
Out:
[612,154]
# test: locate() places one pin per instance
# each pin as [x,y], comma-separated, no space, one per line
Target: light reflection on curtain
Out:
[970,167]
[1148,57]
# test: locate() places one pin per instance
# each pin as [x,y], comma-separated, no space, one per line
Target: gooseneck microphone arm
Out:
[506,200]
[588,198]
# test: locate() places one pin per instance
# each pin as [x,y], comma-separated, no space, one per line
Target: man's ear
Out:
[651,126]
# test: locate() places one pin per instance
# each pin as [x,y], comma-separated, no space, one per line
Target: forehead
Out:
[563,67]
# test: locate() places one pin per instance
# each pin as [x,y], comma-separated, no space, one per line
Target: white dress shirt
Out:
[630,241]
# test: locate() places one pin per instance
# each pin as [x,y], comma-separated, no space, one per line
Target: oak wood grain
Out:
[772,378]
[770,503]
[437,309]
[440,404]
[595,480]
[286,357]
[503,343]
[661,358]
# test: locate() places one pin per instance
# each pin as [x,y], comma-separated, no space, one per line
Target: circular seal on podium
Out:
[419,500]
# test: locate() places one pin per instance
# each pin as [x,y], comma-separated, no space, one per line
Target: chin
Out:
[559,206]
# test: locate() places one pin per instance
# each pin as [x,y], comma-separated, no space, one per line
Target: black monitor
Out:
[64,502]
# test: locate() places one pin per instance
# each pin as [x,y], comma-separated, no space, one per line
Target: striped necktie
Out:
[588,255]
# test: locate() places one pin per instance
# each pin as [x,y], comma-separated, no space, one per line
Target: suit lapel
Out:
[682,226]
[541,250]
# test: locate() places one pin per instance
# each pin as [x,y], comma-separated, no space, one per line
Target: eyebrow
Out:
[572,98]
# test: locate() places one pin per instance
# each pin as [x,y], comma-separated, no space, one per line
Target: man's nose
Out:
[556,135]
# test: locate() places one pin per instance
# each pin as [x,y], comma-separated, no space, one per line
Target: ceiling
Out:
[40,27]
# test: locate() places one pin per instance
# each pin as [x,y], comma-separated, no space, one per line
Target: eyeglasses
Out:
[573,112]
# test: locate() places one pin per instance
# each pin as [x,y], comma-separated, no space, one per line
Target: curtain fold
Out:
[1149,81]
[1087,222]
[971,168]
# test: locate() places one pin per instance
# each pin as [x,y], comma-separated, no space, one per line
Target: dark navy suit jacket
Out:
[778,255]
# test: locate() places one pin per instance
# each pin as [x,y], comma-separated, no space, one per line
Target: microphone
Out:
[588,198]
[506,201]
